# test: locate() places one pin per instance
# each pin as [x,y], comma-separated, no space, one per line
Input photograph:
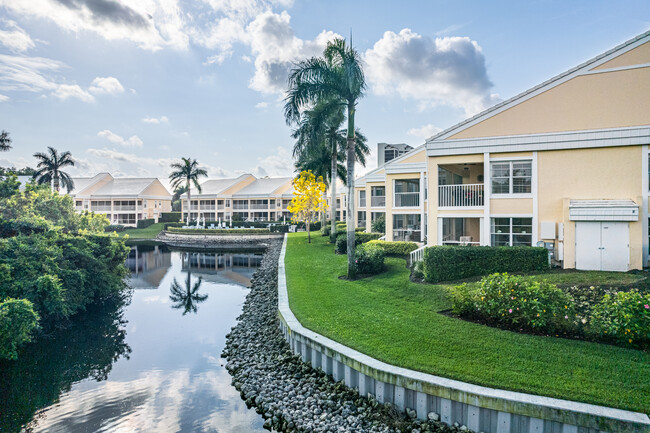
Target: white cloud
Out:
[275,165]
[156,120]
[262,104]
[15,38]
[424,131]
[449,70]
[4,98]
[65,91]
[106,85]
[276,48]
[151,25]
[27,74]
[133,141]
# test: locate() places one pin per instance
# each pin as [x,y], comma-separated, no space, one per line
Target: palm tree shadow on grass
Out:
[187,298]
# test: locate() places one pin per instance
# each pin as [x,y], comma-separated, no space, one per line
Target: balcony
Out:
[238,206]
[468,195]
[407,199]
[378,201]
[100,208]
[259,206]
[124,208]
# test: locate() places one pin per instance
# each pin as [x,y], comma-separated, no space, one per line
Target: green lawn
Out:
[147,233]
[395,320]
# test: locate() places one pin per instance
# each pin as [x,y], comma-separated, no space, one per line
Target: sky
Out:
[129,86]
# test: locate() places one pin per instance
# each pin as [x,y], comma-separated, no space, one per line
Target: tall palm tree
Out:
[5,141]
[188,297]
[187,171]
[337,76]
[48,170]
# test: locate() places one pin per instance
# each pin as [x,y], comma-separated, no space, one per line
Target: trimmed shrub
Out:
[379,225]
[325,231]
[143,224]
[517,301]
[368,260]
[623,317]
[279,229]
[396,248]
[448,263]
[114,228]
[169,217]
[359,238]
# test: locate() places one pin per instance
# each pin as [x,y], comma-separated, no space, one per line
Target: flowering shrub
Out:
[623,317]
[369,259]
[517,301]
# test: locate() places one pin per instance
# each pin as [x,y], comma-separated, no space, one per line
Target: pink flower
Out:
[510,310]
[566,317]
[647,307]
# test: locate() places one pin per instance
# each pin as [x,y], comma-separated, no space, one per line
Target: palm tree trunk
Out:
[189,201]
[350,206]
[333,190]
[55,183]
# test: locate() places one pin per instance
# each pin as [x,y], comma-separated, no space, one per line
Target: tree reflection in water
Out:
[187,298]
[88,348]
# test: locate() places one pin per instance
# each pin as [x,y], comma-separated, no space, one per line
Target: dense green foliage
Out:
[379,225]
[114,228]
[624,317]
[58,260]
[18,320]
[360,238]
[395,248]
[143,224]
[392,319]
[369,259]
[169,217]
[217,231]
[449,263]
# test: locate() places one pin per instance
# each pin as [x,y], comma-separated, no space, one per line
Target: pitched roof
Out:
[267,185]
[81,183]
[125,186]
[541,87]
[216,186]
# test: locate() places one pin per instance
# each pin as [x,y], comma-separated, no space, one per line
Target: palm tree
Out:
[187,298]
[187,171]
[337,77]
[5,141]
[48,170]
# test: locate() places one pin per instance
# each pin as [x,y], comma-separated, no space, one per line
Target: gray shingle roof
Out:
[216,186]
[125,186]
[263,186]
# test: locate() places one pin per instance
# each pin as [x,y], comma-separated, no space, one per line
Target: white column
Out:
[533,188]
[487,190]
[423,221]
[644,205]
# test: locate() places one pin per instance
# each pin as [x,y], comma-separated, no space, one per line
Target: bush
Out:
[279,229]
[169,217]
[143,224]
[448,263]
[623,317]
[379,225]
[114,228]
[359,238]
[325,231]
[396,248]
[368,260]
[517,301]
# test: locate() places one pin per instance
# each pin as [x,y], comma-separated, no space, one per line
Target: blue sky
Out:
[128,86]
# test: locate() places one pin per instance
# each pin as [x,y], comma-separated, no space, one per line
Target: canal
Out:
[151,365]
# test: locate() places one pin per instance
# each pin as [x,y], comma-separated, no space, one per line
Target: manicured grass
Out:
[397,321]
[146,233]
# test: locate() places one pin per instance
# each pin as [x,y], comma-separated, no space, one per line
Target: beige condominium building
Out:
[245,198]
[564,163]
[123,200]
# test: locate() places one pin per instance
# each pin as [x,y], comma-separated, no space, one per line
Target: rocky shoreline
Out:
[291,395]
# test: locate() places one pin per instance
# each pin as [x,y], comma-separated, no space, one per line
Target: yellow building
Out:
[123,200]
[564,163]
[245,198]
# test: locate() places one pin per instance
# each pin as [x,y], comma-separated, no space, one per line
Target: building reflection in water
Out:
[222,267]
[148,265]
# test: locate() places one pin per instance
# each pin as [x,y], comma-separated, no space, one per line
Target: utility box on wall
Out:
[547,230]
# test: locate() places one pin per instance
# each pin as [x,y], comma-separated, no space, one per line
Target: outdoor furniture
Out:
[465,240]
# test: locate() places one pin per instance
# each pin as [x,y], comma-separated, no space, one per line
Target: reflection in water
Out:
[158,372]
[187,298]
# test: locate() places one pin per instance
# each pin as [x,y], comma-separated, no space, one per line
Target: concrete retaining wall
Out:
[479,408]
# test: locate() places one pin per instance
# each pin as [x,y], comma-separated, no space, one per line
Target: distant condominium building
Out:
[123,200]
[245,198]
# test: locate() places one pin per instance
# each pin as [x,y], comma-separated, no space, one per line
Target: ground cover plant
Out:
[398,321]
[149,232]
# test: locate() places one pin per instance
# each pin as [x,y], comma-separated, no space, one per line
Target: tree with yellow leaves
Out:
[307,201]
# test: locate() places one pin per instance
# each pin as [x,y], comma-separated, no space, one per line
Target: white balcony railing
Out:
[100,208]
[259,206]
[407,199]
[378,201]
[118,208]
[407,235]
[469,195]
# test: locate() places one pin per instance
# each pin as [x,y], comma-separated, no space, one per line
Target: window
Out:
[512,232]
[511,177]
[361,218]
[362,198]
[378,196]
[406,227]
[407,193]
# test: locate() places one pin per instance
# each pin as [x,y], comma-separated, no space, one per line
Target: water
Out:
[152,366]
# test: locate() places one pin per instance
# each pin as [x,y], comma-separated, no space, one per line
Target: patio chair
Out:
[465,241]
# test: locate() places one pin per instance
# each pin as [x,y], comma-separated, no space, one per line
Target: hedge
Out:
[114,228]
[359,238]
[169,217]
[217,231]
[143,224]
[449,263]
[395,248]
